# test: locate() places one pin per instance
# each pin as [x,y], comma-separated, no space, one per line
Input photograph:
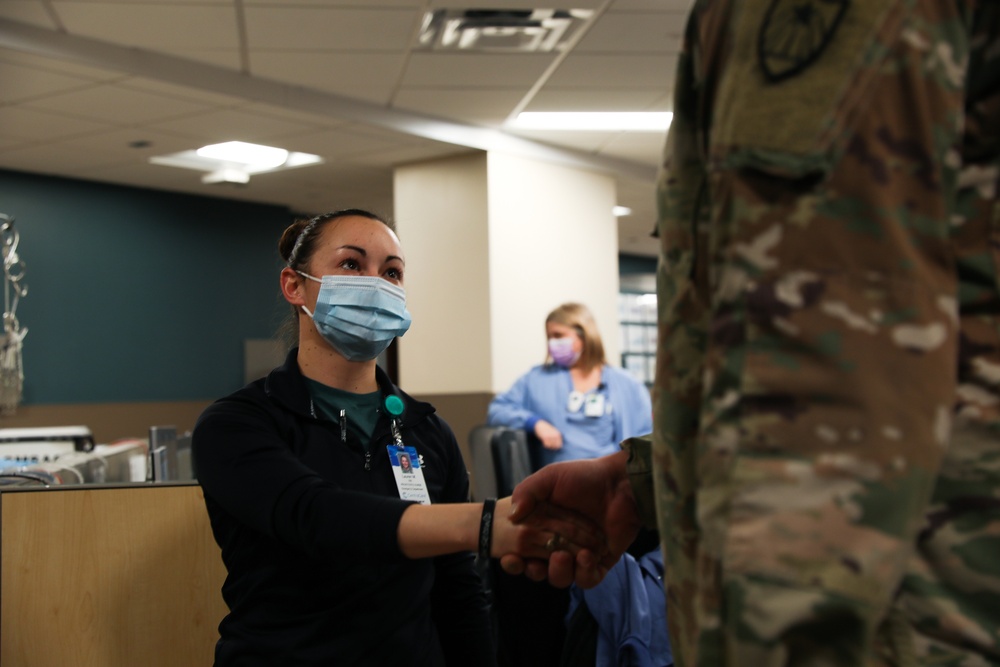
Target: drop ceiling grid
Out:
[41,127]
[633,32]
[363,76]
[26,11]
[327,28]
[484,106]
[176,28]
[624,62]
[22,84]
[116,104]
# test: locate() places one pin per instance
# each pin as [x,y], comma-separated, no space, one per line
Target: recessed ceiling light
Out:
[236,161]
[620,211]
[607,121]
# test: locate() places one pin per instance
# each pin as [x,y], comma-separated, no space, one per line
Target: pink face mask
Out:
[561,351]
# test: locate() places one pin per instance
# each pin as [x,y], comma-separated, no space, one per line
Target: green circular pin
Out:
[394,404]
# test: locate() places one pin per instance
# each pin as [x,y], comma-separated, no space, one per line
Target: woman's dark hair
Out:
[298,242]
[297,246]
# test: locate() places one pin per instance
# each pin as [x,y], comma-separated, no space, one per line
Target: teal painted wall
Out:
[629,265]
[140,295]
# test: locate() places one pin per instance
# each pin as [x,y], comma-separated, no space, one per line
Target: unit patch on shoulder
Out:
[794,34]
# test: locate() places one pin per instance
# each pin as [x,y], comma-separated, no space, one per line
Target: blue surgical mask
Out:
[359,315]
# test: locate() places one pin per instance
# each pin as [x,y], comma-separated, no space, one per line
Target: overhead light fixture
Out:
[236,161]
[620,211]
[605,121]
[500,31]
[252,155]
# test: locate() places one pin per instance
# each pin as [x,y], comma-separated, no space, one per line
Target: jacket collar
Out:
[287,386]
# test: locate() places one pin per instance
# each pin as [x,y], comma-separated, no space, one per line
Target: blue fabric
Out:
[543,393]
[630,607]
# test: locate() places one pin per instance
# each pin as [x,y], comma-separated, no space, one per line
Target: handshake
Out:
[569,522]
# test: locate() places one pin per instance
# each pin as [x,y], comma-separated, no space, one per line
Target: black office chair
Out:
[527,616]
[500,459]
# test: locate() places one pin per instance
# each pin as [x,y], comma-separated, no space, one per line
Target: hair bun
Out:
[288,238]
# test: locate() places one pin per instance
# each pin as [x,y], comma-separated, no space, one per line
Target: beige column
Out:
[494,242]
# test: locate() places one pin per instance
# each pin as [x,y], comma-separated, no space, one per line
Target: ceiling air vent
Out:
[501,30]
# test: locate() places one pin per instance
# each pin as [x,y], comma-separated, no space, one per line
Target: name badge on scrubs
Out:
[594,405]
[409,476]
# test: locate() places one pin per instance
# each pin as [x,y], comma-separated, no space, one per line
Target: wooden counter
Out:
[108,577]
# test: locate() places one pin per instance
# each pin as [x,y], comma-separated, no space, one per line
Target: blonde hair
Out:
[578,317]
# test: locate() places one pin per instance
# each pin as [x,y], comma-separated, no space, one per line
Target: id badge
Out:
[409,476]
[594,405]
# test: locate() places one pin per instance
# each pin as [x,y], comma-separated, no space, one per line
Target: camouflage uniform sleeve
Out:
[809,323]
[640,476]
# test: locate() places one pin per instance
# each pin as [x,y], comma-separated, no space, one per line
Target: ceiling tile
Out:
[227,58]
[399,155]
[24,83]
[200,96]
[33,126]
[364,76]
[7,142]
[54,159]
[362,4]
[604,71]
[642,147]
[667,6]
[571,99]
[330,29]
[635,230]
[304,118]
[515,4]
[327,187]
[483,107]
[634,32]
[167,27]
[589,142]
[353,48]
[58,66]
[230,125]
[337,144]
[454,70]
[116,105]
[31,12]
[116,146]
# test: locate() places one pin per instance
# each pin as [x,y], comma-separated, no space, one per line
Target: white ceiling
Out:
[81,81]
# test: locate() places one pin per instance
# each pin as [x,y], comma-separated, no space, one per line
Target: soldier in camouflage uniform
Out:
[826,454]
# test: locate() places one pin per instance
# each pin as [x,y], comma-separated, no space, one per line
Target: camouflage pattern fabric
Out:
[826,455]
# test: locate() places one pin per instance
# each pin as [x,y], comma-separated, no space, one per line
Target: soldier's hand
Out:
[597,489]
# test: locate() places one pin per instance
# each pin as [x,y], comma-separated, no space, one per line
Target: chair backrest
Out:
[500,459]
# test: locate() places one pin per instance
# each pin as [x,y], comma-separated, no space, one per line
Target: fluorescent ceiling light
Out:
[251,155]
[620,211]
[628,121]
[236,161]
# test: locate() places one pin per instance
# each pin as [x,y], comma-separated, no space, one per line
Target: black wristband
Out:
[486,528]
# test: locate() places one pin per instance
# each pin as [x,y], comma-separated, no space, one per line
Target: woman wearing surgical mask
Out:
[335,554]
[575,404]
